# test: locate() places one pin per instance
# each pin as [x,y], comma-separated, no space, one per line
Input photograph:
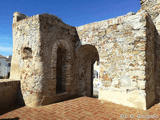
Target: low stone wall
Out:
[8,94]
[132,98]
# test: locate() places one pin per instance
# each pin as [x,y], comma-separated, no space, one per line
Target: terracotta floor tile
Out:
[83,108]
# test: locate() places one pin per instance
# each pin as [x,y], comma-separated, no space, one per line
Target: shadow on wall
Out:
[157,70]
[16,118]
[11,101]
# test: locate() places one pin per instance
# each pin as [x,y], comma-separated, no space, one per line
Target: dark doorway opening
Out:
[88,55]
[60,70]
[8,75]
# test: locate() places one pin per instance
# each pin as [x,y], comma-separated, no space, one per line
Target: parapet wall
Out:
[8,94]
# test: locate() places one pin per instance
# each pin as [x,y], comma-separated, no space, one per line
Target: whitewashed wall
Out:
[4,67]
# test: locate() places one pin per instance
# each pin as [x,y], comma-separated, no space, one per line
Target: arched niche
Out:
[61,65]
[61,70]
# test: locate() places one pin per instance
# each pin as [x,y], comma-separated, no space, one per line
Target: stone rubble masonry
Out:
[153,8]
[126,47]
[35,41]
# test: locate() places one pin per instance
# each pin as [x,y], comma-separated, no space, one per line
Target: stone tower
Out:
[43,50]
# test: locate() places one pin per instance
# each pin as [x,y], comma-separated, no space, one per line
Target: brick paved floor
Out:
[83,108]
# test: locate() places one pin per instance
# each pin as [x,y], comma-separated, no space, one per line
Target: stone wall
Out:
[153,8]
[150,58]
[35,42]
[55,34]
[25,36]
[8,94]
[26,60]
[122,47]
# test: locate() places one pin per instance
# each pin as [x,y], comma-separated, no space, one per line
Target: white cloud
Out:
[5,49]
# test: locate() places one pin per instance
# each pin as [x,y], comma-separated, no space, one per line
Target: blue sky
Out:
[72,12]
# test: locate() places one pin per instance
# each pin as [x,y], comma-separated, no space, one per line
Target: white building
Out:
[5,63]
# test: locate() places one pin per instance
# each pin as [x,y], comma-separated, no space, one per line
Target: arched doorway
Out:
[87,56]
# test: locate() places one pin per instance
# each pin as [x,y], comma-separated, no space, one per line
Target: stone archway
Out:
[87,55]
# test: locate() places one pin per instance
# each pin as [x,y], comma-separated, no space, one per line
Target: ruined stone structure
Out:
[116,59]
[44,58]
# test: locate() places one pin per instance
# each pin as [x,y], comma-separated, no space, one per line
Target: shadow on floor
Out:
[3,111]
[68,98]
[74,97]
[16,118]
[19,106]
